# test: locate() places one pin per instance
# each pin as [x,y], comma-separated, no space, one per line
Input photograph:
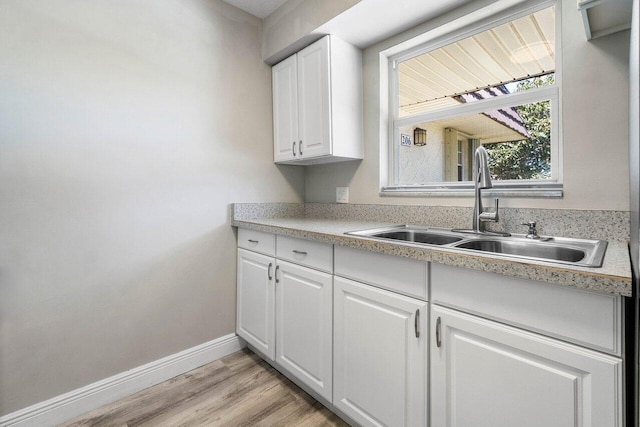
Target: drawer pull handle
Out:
[269,271]
[277,269]
[253,241]
[415,325]
[438,327]
[299,252]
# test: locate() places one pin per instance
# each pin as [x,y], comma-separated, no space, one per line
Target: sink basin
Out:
[579,252]
[526,249]
[429,238]
[411,234]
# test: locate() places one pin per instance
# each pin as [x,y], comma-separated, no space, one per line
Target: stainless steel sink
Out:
[579,252]
[419,237]
[526,249]
[411,234]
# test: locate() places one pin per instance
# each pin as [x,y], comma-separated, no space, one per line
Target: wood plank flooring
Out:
[238,390]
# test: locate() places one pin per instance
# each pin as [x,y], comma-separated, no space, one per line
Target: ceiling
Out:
[259,8]
[371,21]
[368,21]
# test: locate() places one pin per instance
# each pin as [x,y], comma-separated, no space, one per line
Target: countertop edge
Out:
[576,277]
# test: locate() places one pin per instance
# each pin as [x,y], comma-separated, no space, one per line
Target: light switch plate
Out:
[342,194]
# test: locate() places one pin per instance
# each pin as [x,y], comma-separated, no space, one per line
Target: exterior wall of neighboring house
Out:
[426,163]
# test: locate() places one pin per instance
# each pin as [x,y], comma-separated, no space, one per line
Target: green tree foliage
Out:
[528,158]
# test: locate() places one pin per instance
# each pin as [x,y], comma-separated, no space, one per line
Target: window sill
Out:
[554,191]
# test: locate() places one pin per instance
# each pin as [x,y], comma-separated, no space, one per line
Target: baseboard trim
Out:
[76,402]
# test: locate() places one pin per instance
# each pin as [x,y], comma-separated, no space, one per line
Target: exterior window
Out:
[497,87]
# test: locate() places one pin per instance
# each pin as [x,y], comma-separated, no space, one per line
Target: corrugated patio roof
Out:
[510,52]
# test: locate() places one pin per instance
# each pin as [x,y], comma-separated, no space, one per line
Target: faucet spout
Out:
[481,174]
[481,181]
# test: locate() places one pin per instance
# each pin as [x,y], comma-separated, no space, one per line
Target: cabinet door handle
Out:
[269,271]
[277,269]
[294,148]
[253,241]
[415,325]
[438,337]
[300,147]
[299,252]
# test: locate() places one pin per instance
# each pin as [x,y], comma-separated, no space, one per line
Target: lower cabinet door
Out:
[256,293]
[304,313]
[380,355]
[485,374]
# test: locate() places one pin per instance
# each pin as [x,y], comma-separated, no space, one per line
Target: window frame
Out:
[434,39]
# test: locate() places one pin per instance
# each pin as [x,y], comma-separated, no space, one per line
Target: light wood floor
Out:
[238,390]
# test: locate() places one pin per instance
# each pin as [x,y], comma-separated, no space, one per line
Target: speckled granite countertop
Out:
[614,277]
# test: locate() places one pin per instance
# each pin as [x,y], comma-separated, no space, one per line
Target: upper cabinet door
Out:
[314,97]
[485,374]
[285,109]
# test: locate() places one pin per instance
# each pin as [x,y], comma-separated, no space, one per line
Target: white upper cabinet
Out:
[285,108]
[317,104]
[314,94]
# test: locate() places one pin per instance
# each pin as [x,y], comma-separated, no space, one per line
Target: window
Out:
[497,86]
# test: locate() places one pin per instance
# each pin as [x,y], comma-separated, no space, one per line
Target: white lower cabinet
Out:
[495,351]
[484,373]
[255,321]
[285,311]
[304,323]
[380,355]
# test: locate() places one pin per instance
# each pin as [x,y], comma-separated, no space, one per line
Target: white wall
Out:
[127,127]
[595,108]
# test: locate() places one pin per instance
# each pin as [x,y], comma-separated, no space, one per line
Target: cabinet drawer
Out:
[584,317]
[402,275]
[257,241]
[305,252]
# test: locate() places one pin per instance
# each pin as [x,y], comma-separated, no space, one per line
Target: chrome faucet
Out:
[481,181]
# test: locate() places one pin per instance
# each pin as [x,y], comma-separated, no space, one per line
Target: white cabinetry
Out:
[285,109]
[256,296]
[317,104]
[380,342]
[499,351]
[487,374]
[503,353]
[380,362]
[304,319]
[284,310]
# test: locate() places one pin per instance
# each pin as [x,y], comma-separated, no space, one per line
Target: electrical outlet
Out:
[342,194]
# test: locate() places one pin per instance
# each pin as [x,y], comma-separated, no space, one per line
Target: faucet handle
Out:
[533,231]
[490,215]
